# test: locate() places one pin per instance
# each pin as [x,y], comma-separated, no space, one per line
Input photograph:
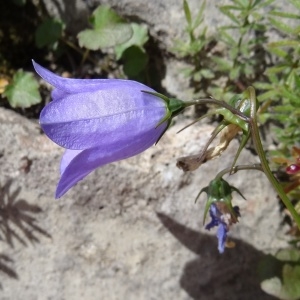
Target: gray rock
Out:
[131,229]
[165,17]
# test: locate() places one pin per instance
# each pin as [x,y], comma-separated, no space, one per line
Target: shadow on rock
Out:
[5,261]
[229,276]
[17,220]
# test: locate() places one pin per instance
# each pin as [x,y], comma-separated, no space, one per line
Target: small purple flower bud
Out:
[99,121]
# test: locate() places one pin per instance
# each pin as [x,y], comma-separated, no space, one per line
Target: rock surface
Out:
[130,230]
[165,17]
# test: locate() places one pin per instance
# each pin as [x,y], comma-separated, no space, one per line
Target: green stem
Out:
[218,103]
[263,159]
[235,169]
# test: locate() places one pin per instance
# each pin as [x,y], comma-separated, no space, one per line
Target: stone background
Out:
[130,230]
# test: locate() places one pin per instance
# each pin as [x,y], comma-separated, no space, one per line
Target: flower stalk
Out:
[264,163]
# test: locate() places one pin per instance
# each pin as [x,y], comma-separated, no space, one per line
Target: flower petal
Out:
[67,157]
[76,167]
[72,86]
[214,214]
[85,120]
[222,235]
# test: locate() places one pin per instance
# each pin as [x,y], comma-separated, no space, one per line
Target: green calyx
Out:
[219,190]
[174,107]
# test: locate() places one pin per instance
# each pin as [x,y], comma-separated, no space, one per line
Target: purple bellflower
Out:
[219,204]
[100,121]
[223,218]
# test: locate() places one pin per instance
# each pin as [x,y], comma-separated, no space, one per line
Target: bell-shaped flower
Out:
[100,121]
[222,217]
[221,211]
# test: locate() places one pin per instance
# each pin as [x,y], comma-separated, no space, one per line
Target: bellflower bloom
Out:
[100,121]
[221,211]
[221,217]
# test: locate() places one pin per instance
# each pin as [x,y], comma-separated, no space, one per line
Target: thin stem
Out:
[263,159]
[235,169]
[219,103]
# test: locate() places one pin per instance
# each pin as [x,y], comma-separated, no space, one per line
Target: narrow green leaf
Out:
[199,18]
[229,14]
[238,2]
[289,95]
[267,95]
[279,52]
[228,38]
[23,90]
[263,86]
[207,73]
[273,78]
[222,63]
[297,82]
[263,4]
[284,14]
[281,26]
[285,43]
[235,73]
[187,12]
[276,69]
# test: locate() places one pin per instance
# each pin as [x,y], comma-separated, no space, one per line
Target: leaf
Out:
[48,32]
[279,52]
[281,26]
[285,15]
[222,63]
[138,38]
[291,278]
[109,30]
[207,73]
[187,13]
[283,280]
[292,255]
[227,37]
[237,2]
[263,4]
[135,61]
[199,18]
[235,73]
[273,286]
[229,14]
[285,43]
[276,69]
[23,90]
[267,95]
[263,86]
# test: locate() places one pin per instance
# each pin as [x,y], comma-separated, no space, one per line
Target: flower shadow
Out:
[16,217]
[5,261]
[232,275]
[17,223]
